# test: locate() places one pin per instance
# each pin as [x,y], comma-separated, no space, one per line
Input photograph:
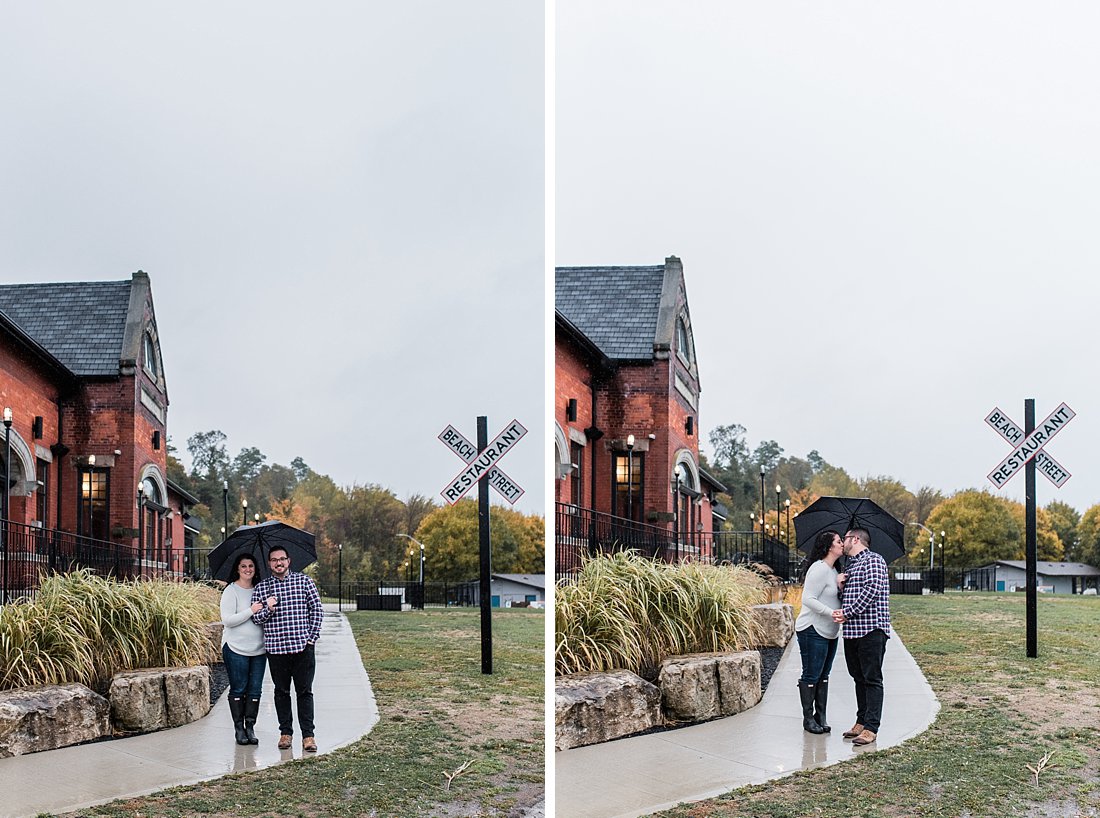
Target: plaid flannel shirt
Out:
[296,620]
[866,595]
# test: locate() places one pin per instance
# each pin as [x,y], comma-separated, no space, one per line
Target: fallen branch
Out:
[452,776]
[1040,766]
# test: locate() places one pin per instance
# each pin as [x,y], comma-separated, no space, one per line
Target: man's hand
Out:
[838,616]
[272,602]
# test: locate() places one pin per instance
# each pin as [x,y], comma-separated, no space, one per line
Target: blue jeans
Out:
[246,673]
[817,655]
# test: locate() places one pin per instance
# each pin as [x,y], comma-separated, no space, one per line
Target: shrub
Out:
[630,612]
[83,628]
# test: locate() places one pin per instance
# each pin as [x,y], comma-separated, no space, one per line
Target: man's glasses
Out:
[278,559]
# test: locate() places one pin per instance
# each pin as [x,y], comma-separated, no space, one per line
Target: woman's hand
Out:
[257,607]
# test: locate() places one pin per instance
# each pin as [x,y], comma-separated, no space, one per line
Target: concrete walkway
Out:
[75,777]
[639,776]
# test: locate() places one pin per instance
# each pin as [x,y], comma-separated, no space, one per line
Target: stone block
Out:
[50,716]
[137,701]
[215,629]
[186,694]
[776,623]
[594,707]
[700,686]
[143,701]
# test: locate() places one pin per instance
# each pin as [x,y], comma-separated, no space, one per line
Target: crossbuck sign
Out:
[483,464]
[1030,447]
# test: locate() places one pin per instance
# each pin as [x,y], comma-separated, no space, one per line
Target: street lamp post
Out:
[787,503]
[225,506]
[340,578]
[7,491]
[762,505]
[677,473]
[630,476]
[141,525]
[244,512]
[777,515]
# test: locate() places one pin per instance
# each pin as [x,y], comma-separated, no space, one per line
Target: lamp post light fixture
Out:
[777,507]
[630,476]
[943,549]
[141,523]
[256,518]
[225,506]
[244,512]
[787,503]
[762,504]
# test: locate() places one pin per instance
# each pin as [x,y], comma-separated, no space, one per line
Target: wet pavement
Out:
[75,777]
[638,776]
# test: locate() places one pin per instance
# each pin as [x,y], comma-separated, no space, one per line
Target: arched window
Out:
[152,364]
[684,346]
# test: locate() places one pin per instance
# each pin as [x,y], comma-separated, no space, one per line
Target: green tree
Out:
[450,536]
[1047,544]
[891,494]
[980,528]
[1064,519]
[1088,537]
[832,481]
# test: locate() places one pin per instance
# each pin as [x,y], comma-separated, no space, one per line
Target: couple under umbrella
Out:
[868,537]
[285,607]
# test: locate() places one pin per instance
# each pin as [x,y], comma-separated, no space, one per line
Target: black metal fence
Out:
[581,532]
[381,595]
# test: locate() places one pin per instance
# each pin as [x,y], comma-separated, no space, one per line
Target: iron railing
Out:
[581,532]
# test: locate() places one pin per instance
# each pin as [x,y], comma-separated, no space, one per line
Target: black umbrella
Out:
[843,513]
[257,541]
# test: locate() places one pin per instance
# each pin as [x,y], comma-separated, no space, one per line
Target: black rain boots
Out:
[821,699]
[236,707]
[251,711]
[807,692]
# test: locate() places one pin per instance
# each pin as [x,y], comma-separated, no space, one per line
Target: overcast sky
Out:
[887,215]
[340,207]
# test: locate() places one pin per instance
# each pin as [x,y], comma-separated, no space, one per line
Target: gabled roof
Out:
[81,324]
[1053,569]
[534,580]
[618,308]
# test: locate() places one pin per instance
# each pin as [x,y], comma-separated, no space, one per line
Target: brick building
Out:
[627,401]
[81,372]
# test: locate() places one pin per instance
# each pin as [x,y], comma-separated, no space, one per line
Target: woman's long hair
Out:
[821,547]
[235,574]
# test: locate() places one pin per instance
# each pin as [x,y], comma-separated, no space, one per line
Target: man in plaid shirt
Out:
[291,619]
[866,618]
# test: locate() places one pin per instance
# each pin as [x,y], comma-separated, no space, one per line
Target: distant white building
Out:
[1050,577]
[512,589]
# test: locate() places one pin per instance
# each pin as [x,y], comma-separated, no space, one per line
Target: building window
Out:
[576,485]
[93,503]
[151,364]
[683,342]
[627,495]
[151,519]
[42,495]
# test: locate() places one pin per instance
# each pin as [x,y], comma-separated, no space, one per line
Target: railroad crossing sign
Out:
[1030,446]
[484,464]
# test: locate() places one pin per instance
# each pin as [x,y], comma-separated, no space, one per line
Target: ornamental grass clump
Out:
[628,612]
[83,628]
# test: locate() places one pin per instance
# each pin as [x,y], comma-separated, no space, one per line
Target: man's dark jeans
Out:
[817,655]
[863,656]
[299,668]
[246,673]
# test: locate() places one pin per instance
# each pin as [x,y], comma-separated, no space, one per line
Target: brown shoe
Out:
[857,728]
[866,737]
[284,741]
[309,744]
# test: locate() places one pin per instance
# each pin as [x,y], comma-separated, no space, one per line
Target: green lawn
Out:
[439,715]
[1001,714]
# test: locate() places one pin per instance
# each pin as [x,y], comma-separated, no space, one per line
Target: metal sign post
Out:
[1026,454]
[482,470]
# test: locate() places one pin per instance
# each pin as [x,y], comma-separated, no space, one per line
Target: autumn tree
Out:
[1088,536]
[450,536]
[980,528]
[1064,519]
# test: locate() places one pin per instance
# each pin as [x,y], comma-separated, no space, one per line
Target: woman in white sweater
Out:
[243,648]
[816,631]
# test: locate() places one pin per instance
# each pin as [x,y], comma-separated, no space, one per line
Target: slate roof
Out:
[616,307]
[81,323]
[534,580]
